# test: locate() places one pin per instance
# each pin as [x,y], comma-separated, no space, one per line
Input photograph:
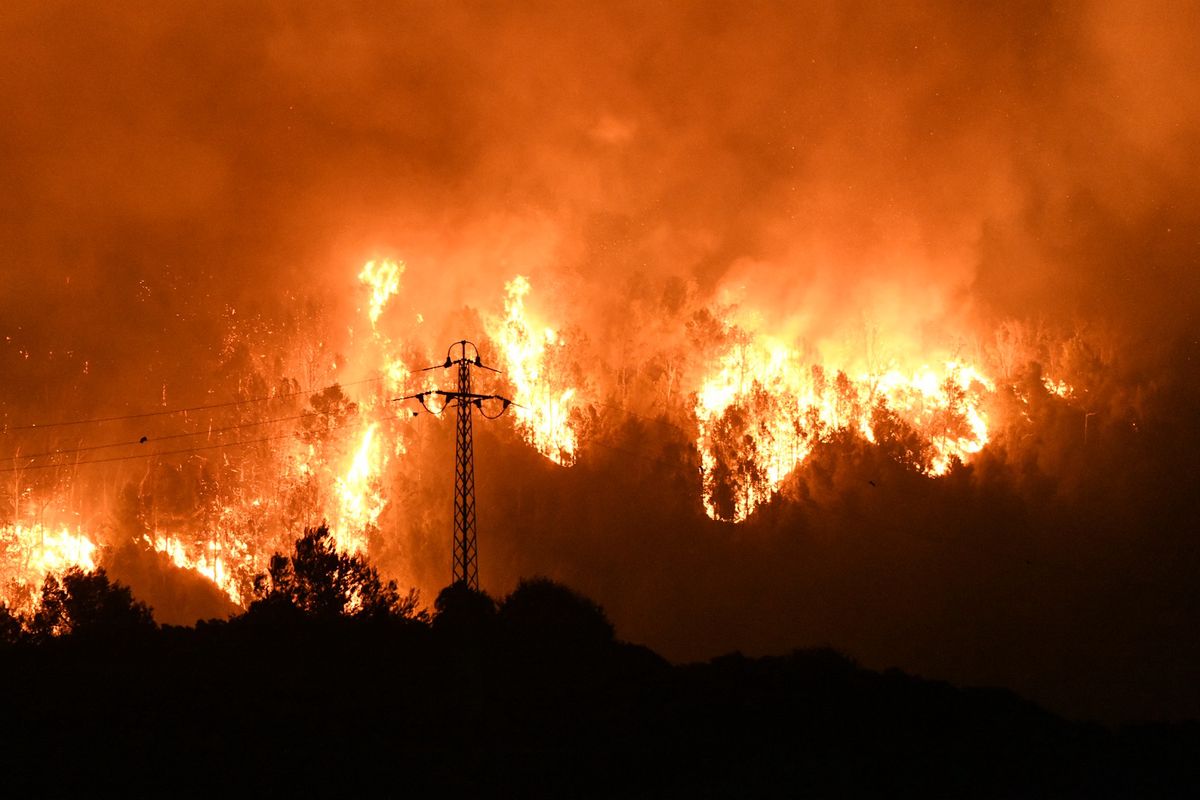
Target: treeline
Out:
[315,581]
[336,681]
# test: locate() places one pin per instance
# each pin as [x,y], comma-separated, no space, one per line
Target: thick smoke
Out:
[191,187]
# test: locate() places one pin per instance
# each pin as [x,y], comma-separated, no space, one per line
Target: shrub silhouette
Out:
[461,610]
[88,604]
[316,580]
[555,616]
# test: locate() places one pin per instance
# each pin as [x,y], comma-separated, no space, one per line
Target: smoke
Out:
[190,192]
[913,166]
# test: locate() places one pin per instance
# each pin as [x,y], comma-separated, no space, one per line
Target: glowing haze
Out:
[782,295]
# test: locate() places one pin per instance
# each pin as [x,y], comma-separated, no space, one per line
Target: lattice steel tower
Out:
[465,560]
[465,566]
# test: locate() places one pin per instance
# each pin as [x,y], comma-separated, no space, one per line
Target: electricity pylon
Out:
[465,564]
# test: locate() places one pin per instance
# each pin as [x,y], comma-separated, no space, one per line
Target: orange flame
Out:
[228,564]
[761,411]
[358,494]
[1058,388]
[30,552]
[383,278]
[543,413]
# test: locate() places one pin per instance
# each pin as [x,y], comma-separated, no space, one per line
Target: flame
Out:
[1058,388]
[30,552]
[309,477]
[544,403]
[761,407]
[761,410]
[353,500]
[240,548]
[359,498]
[383,278]
[228,564]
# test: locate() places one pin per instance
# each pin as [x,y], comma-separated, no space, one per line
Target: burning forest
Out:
[215,488]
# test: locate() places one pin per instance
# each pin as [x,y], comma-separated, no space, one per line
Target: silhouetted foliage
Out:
[735,467]
[540,610]
[88,604]
[12,630]
[898,439]
[531,698]
[461,610]
[317,580]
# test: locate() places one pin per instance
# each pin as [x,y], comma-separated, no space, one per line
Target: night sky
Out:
[1014,182]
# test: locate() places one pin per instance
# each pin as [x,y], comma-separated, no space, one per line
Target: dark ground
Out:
[533,701]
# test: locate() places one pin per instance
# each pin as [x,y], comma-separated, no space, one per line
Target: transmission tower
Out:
[465,563]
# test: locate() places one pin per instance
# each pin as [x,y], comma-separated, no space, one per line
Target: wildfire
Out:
[237,542]
[313,473]
[228,564]
[359,498]
[30,552]
[382,279]
[761,410]
[761,407]
[1059,388]
[544,403]
[309,476]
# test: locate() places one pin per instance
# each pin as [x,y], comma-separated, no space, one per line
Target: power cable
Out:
[167,412]
[164,452]
[145,439]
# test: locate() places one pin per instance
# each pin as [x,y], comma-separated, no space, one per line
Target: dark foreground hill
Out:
[530,704]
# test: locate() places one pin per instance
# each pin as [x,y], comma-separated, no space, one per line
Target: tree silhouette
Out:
[12,631]
[551,614]
[319,581]
[461,610]
[735,472]
[88,604]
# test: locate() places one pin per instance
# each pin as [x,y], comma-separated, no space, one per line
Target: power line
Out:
[167,412]
[165,452]
[145,439]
